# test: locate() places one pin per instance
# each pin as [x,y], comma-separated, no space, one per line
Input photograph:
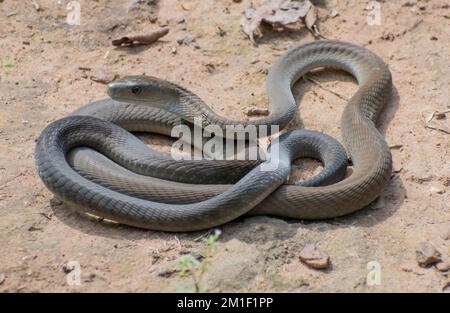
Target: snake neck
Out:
[193,109]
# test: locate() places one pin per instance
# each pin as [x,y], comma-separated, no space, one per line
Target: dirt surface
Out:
[41,81]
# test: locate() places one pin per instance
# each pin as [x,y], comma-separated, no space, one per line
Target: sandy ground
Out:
[41,81]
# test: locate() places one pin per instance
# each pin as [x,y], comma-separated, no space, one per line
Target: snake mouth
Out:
[151,102]
[128,99]
[114,91]
[120,92]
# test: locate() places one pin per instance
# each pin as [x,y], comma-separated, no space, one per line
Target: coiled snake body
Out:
[92,163]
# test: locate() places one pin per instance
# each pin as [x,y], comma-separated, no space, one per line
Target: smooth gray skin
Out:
[259,192]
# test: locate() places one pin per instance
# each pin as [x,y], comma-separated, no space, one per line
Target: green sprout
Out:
[195,267]
[212,239]
[8,64]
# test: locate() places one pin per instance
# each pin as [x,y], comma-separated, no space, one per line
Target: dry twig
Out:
[438,115]
[445,131]
[325,88]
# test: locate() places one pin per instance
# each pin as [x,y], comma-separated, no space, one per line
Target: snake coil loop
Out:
[91,161]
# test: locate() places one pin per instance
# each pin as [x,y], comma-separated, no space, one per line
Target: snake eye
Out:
[136,90]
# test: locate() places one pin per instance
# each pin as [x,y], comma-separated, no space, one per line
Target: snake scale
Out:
[92,162]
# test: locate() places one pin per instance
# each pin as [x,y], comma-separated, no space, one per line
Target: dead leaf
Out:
[440,115]
[257,111]
[310,21]
[185,7]
[313,257]
[135,3]
[426,254]
[141,39]
[276,13]
[103,77]
[289,12]
[443,266]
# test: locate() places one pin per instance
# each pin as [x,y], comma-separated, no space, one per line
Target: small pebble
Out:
[210,68]
[26,258]
[446,235]
[388,36]
[186,40]
[436,190]
[2,277]
[409,3]
[164,270]
[90,278]
[440,116]
[446,287]
[220,31]
[67,269]
[443,266]
[334,13]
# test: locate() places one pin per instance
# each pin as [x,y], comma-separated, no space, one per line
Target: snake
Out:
[94,163]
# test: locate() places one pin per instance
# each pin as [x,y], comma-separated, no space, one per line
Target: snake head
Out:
[144,90]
